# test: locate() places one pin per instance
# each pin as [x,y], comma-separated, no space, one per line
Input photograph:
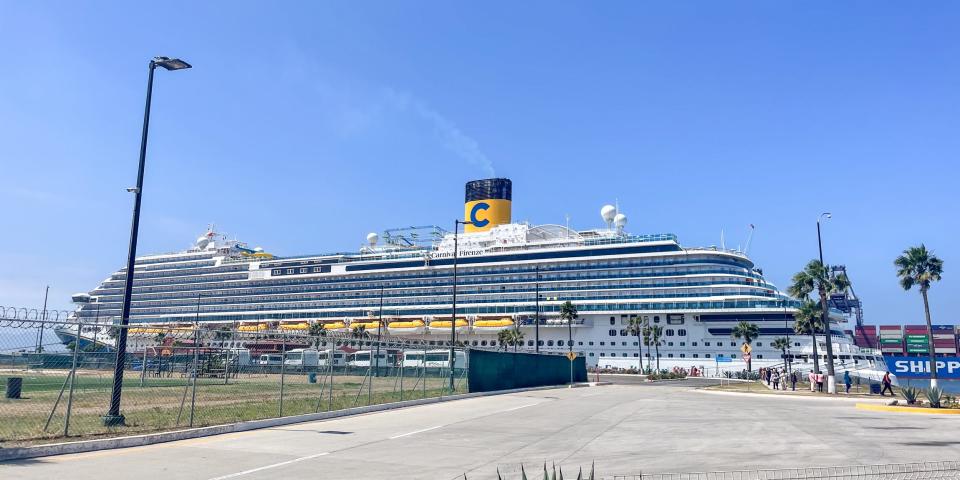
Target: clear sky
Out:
[305,125]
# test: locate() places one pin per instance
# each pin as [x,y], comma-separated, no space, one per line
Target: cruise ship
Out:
[506,274]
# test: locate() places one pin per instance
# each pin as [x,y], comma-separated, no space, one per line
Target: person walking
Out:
[775,379]
[820,382]
[887,384]
[793,380]
[846,380]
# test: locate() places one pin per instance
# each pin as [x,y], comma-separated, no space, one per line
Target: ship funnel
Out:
[487,204]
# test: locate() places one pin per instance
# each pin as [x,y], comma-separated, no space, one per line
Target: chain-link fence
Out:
[59,376]
[896,471]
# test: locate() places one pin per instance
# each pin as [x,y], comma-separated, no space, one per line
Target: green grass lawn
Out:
[156,404]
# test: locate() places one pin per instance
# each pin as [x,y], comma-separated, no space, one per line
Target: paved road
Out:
[624,428]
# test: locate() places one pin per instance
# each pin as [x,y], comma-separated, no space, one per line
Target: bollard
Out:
[14,387]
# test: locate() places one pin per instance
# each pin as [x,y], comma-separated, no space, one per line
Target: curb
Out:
[20,453]
[866,401]
[899,409]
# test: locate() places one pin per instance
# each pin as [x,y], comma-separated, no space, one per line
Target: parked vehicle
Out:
[361,358]
[270,359]
[302,357]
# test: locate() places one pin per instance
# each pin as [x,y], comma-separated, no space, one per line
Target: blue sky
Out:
[305,125]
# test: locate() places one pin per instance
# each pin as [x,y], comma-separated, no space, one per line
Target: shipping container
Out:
[943,328]
[948,351]
[943,336]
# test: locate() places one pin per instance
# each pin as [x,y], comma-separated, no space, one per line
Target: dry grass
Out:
[156,405]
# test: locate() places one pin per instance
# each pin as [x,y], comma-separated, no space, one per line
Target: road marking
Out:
[415,432]
[517,408]
[266,467]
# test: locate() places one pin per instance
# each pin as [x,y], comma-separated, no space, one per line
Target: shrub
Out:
[934,395]
[910,394]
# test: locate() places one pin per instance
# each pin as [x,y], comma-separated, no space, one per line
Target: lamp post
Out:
[43,322]
[376,371]
[536,318]
[831,377]
[113,416]
[453,318]
[786,329]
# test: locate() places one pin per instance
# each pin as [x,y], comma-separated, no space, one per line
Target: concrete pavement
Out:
[625,429]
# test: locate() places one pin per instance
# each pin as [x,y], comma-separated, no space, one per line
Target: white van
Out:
[413,358]
[270,359]
[302,357]
[441,359]
[339,358]
[361,358]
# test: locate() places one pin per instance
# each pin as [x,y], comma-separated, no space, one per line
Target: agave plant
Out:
[935,395]
[910,394]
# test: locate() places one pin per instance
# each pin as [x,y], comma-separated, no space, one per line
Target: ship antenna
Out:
[723,246]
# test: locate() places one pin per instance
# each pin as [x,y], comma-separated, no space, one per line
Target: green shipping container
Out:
[918,340]
[894,341]
[916,349]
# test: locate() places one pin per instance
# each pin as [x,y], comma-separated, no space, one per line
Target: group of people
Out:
[778,378]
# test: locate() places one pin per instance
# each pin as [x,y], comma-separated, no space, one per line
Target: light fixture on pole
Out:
[825,312]
[113,416]
[453,318]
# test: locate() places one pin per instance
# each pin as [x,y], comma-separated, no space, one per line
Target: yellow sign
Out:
[746,349]
[571,356]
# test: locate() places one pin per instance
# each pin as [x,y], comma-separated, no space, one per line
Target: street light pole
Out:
[453,318]
[113,416]
[536,320]
[43,322]
[376,371]
[825,312]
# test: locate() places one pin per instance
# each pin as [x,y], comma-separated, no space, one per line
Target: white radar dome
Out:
[620,220]
[258,249]
[372,238]
[608,212]
[202,241]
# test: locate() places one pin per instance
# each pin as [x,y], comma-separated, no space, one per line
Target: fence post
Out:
[73,378]
[283,363]
[196,373]
[330,360]
[143,367]
[403,349]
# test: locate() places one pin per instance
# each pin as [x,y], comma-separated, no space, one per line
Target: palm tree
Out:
[515,336]
[656,333]
[817,276]
[782,343]
[635,328]
[568,312]
[807,321]
[919,266]
[503,338]
[647,340]
[748,332]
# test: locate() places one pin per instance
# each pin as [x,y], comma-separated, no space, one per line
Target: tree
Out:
[359,332]
[510,337]
[919,266]
[807,321]
[748,332]
[647,340]
[817,276]
[568,312]
[503,338]
[635,328]
[782,344]
[656,333]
